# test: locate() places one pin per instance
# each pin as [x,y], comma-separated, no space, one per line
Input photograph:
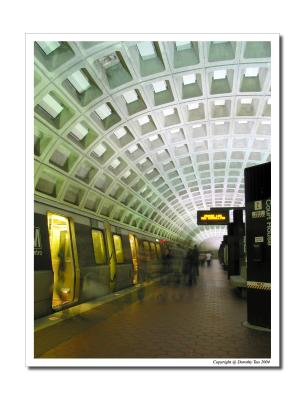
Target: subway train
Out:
[78,258]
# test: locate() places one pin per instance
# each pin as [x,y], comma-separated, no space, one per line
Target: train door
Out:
[134,254]
[62,260]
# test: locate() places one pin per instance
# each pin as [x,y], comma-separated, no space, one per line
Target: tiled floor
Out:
[168,320]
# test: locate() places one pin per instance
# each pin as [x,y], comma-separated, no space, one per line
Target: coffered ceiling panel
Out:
[147,133]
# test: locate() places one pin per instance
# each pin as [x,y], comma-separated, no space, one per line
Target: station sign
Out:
[214,217]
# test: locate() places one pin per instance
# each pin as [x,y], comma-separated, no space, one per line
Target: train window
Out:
[118,248]
[153,249]
[62,260]
[158,249]
[99,246]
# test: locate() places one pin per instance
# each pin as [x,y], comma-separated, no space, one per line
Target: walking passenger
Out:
[187,267]
[195,260]
[60,279]
[209,258]
[167,260]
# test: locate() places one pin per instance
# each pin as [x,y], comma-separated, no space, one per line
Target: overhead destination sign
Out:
[213,217]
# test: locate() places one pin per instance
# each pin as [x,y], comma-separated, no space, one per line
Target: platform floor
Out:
[165,320]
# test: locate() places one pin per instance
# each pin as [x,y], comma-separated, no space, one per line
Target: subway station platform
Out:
[165,318]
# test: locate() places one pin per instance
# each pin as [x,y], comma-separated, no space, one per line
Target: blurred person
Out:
[195,260]
[167,260]
[59,284]
[188,267]
[209,258]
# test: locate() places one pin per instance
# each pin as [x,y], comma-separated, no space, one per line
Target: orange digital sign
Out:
[212,218]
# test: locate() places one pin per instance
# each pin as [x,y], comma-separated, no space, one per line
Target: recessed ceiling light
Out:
[133,148]
[269,101]
[115,163]
[130,96]
[176,130]
[193,106]
[143,161]
[127,174]
[119,133]
[219,102]
[51,106]
[99,150]
[103,111]
[242,121]
[79,81]
[160,152]
[143,120]
[219,122]
[146,50]
[196,126]
[168,111]
[48,47]
[183,46]
[79,131]
[220,74]
[159,86]
[246,101]
[150,171]
[266,122]
[153,138]
[189,79]
[109,61]
[251,72]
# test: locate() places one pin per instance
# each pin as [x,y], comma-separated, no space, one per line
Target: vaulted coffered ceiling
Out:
[147,133]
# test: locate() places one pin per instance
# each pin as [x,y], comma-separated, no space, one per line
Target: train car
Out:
[78,258]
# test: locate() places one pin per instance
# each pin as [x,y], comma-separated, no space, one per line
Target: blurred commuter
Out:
[188,267]
[209,259]
[59,285]
[195,260]
[167,257]
[60,278]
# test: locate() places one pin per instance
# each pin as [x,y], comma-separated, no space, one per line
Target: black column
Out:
[258,240]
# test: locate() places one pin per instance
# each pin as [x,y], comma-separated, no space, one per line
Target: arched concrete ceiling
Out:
[147,133]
